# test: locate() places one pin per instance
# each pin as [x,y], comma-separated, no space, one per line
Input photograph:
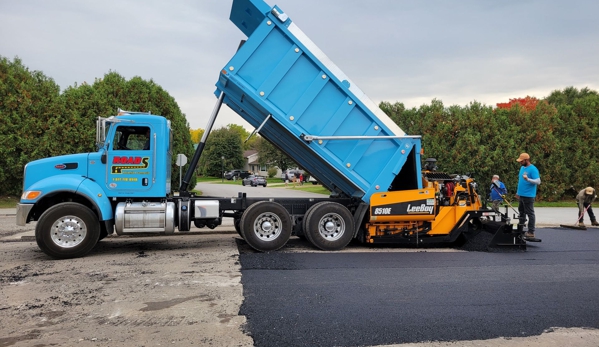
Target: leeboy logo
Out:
[129,163]
[420,209]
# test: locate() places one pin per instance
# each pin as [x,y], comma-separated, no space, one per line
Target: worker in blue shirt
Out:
[498,190]
[528,180]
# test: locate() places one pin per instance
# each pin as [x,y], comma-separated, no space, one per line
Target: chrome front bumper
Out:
[23,213]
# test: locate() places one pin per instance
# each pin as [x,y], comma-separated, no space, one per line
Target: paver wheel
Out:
[329,226]
[265,226]
[67,230]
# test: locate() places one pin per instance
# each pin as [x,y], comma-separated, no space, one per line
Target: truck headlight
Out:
[31,195]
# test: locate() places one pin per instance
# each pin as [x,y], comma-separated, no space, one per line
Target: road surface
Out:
[383,297]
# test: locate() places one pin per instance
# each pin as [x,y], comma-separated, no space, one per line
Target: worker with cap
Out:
[498,191]
[528,180]
[584,199]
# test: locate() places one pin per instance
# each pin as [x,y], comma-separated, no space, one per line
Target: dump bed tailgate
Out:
[310,110]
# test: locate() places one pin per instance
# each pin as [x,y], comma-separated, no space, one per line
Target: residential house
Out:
[251,164]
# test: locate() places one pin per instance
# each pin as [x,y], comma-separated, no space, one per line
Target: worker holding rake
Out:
[585,199]
[498,191]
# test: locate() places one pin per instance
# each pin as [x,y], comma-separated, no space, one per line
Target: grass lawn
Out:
[8,201]
[318,189]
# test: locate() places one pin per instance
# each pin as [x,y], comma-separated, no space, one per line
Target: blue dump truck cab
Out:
[285,86]
[133,159]
[132,163]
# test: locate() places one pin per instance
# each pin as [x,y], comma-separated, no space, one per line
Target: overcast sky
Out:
[394,50]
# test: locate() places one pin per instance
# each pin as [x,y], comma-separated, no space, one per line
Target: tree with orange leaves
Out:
[528,103]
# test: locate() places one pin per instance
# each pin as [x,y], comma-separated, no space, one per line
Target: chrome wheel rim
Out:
[331,226]
[268,226]
[68,231]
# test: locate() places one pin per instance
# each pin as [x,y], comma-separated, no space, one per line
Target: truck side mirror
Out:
[103,158]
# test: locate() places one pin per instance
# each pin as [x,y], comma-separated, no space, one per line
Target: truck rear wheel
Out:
[329,226]
[265,226]
[236,222]
[67,230]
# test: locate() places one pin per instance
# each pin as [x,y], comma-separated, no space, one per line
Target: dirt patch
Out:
[128,292]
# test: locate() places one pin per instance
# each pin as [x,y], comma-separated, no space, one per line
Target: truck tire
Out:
[266,226]
[329,226]
[67,230]
[103,235]
[236,222]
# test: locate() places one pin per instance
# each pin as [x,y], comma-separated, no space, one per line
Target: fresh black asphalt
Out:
[382,297]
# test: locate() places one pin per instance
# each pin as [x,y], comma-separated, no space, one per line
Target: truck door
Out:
[131,160]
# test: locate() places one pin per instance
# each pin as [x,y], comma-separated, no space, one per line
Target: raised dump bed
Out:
[281,82]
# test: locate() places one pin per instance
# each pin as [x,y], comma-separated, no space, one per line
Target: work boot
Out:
[581,224]
[594,223]
[529,235]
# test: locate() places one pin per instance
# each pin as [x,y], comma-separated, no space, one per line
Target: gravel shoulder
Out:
[177,290]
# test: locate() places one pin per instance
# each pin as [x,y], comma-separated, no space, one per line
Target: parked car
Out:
[254,181]
[229,175]
[313,180]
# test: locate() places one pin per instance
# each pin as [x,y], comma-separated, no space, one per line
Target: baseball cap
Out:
[522,157]
[589,190]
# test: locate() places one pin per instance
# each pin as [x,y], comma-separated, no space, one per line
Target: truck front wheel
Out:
[329,226]
[67,230]
[265,226]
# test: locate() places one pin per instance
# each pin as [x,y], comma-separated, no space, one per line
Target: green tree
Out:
[222,143]
[105,96]
[29,105]
[482,141]
[534,132]
[243,135]
[38,121]
[577,131]
[270,155]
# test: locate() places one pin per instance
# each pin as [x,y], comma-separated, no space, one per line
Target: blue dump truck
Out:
[296,98]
